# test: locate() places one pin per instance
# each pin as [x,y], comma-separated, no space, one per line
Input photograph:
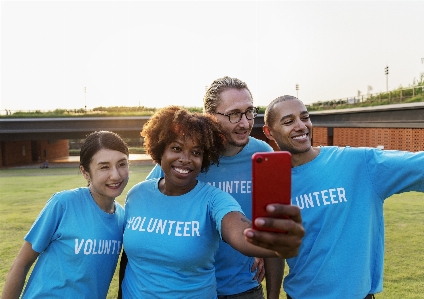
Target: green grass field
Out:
[24,191]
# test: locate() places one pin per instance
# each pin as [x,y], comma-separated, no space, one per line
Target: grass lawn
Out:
[23,193]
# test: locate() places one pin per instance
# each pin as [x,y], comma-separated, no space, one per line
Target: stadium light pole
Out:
[386,71]
[85,99]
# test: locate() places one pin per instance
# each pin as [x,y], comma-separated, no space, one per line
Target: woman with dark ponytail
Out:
[77,237]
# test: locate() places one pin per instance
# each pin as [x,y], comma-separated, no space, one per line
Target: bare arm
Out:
[285,245]
[274,271]
[15,280]
[236,231]
[233,226]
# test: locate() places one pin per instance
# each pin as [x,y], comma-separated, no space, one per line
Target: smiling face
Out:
[291,127]
[108,174]
[235,100]
[181,163]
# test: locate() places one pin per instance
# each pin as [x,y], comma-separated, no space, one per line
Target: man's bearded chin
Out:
[238,144]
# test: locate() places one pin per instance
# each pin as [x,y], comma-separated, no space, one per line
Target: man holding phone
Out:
[341,192]
[230,100]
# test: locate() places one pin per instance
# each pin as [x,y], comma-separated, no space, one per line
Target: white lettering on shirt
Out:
[323,197]
[162,226]
[94,246]
[233,187]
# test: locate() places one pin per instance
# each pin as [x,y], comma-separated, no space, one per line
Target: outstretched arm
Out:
[16,278]
[236,231]
[285,245]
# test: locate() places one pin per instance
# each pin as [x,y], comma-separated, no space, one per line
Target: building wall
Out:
[53,149]
[406,139]
[320,136]
[15,153]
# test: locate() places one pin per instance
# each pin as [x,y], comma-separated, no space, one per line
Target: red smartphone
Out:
[271,182]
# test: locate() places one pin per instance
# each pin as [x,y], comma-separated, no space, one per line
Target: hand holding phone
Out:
[271,182]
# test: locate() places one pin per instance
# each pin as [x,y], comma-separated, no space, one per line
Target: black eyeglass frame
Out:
[254,110]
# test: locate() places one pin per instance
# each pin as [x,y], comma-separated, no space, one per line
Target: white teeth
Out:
[183,171]
[300,137]
[114,185]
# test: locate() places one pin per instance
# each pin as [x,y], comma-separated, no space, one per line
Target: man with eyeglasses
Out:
[237,275]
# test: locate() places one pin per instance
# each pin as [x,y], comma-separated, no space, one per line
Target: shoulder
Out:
[67,195]
[341,149]
[119,210]
[67,200]
[144,184]
[201,185]
[213,192]
[356,154]
[142,187]
[259,145]
[206,187]
[156,172]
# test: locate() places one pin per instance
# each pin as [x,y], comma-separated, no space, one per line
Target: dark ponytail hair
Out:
[100,140]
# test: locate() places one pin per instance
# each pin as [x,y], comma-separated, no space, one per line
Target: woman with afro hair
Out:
[174,223]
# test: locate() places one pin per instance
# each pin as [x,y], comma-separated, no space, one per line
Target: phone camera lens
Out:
[259,160]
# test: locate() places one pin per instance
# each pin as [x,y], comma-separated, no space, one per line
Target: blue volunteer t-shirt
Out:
[341,194]
[171,241]
[79,246]
[234,176]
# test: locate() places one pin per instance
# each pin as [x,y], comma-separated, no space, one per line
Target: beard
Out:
[233,141]
[238,144]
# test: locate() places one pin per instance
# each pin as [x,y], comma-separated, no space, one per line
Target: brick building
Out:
[406,139]
[391,127]
[24,152]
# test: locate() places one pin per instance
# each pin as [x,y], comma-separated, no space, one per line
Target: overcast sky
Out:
[158,53]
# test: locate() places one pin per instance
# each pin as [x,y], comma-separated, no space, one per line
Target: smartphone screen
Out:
[271,182]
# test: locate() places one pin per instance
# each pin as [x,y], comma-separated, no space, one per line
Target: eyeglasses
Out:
[235,117]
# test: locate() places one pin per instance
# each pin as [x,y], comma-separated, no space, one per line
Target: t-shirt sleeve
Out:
[155,173]
[44,228]
[393,171]
[222,204]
